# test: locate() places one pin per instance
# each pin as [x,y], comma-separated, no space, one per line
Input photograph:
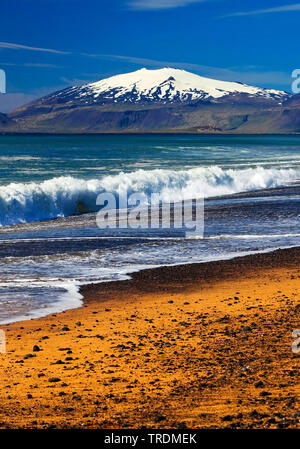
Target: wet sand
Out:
[196,346]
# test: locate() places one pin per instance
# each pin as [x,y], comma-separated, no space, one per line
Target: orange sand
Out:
[192,346]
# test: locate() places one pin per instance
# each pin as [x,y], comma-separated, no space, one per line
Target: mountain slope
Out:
[164,100]
[157,86]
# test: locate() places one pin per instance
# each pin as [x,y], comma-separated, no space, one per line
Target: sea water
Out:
[49,240]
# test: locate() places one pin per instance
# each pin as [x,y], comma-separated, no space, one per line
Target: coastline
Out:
[6,133]
[201,345]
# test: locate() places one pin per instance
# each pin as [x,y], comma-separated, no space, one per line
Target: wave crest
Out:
[66,196]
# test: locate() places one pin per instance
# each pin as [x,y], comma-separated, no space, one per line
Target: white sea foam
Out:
[66,196]
[68,298]
[19,158]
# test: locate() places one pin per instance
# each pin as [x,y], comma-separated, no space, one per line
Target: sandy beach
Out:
[195,346]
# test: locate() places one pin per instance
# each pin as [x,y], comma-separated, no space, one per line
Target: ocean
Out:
[49,240]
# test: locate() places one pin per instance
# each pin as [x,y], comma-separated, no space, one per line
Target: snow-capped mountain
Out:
[158,86]
[164,100]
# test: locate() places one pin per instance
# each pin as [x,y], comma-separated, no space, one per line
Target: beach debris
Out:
[54,379]
[29,356]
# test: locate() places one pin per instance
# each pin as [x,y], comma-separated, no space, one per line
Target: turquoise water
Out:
[39,158]
[57,176]
[49,247]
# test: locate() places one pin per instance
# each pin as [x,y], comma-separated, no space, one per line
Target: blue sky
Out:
[46,45]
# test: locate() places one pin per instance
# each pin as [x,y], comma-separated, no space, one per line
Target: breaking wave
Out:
[66,196]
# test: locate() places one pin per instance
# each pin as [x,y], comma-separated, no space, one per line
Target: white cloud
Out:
[10,46]
[286,8]
[250,75]
[159,4]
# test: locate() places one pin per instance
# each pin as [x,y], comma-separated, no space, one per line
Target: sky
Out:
[48,45]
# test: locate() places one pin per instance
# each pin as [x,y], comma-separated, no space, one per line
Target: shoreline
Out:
[77,288]
[199,345]
[178,132]
[141,133]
